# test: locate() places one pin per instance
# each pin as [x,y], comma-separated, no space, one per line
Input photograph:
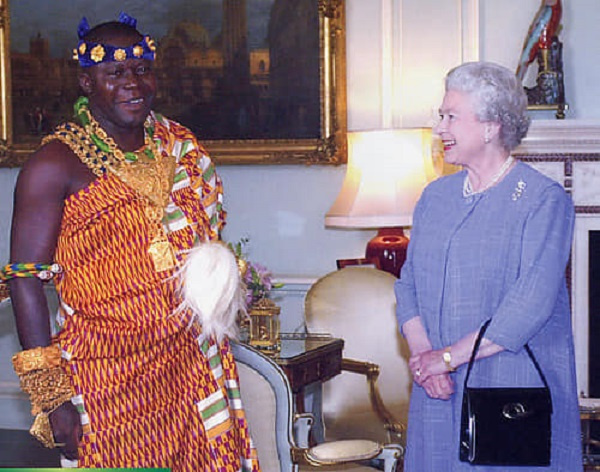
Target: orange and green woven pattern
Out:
[152,392]
[43,272]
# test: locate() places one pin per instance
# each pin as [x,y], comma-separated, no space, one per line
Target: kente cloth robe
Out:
[151,390]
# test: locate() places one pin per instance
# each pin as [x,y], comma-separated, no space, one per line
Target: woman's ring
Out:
[418,372]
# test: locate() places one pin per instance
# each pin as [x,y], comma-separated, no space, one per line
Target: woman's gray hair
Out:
[499,98]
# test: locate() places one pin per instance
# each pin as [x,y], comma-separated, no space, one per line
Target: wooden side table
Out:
[307,359]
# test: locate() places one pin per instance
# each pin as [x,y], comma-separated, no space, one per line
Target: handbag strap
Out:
[476,348]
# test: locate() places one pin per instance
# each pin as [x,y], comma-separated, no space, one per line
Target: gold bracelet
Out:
[41,429]
[36,359]
[47,384]
[46,388]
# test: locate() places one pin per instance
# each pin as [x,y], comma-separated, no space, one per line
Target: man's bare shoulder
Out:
[51,155]
[55,164]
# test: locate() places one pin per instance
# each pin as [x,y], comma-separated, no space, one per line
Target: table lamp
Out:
[386,173]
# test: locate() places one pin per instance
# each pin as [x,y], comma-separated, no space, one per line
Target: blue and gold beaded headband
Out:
[89,53]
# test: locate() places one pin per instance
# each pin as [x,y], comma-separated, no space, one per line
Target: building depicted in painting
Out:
[188,68]
[294,68]
[217,85]
[219,91]
[43,89]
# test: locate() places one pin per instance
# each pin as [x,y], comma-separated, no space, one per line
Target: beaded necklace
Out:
[107,144]
[144,170]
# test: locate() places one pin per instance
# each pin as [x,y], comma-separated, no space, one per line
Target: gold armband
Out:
[47,389]
[47,384]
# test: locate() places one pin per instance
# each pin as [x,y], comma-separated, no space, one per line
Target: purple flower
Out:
[258,278]
[258,282]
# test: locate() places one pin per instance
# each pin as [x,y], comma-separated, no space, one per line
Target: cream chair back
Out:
[358,304]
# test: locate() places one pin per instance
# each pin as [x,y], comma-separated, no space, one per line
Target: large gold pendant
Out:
[162,253]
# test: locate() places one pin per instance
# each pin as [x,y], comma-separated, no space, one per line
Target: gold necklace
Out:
[144,170]
[152,178]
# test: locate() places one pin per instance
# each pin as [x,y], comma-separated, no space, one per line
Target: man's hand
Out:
[66,425]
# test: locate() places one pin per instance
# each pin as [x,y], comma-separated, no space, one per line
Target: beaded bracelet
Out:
[43,272]
[29,269]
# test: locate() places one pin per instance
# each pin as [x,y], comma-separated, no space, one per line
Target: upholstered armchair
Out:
[358,304]
[281,437]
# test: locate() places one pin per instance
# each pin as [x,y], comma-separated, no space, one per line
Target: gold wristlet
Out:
[36,359]
[47,384]
[47,389]
[42,430]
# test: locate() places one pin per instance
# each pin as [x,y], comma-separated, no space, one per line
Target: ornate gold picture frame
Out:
[326,145]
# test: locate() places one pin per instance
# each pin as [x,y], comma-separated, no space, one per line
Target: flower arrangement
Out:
[257,277]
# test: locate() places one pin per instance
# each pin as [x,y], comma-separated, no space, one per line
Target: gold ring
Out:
[60,444]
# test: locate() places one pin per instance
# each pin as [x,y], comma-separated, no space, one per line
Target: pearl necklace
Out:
[468,189]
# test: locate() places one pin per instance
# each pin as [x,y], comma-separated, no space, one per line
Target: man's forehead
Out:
[113,65]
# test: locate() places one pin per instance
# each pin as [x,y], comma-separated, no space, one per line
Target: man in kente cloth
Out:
[108,207]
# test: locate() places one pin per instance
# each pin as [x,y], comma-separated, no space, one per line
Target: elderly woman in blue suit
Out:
[491,241]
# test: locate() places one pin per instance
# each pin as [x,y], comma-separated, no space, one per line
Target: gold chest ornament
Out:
[146,171]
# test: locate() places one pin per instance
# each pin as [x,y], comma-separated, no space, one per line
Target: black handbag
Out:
[505,426]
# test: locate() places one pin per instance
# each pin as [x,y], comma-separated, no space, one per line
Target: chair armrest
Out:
[391,455]
[370,370]
[302,425]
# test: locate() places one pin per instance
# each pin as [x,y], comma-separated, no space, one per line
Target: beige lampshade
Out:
[387,171]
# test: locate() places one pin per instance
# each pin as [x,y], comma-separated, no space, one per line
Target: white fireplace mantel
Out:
[561,136]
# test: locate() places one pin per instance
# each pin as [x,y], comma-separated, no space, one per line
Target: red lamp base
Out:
[389,247]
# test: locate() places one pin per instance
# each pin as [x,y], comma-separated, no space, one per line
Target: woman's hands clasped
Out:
[430,372]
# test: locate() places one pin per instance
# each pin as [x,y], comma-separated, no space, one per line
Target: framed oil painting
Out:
[258,81]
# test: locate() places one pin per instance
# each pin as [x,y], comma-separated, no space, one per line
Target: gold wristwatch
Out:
[447,357]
